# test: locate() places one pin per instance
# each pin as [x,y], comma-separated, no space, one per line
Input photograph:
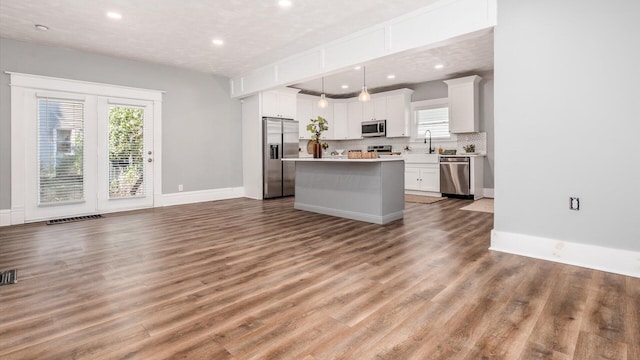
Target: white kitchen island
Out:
[370,190]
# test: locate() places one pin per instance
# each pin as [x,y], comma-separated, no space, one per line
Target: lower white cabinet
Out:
[422,177]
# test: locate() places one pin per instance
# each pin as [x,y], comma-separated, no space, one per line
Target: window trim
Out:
[423,105]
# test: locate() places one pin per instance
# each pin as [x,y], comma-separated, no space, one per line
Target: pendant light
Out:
[323,103]
[364,95]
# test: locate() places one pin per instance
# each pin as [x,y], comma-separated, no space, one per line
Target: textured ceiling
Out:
[256,33]
[179,33]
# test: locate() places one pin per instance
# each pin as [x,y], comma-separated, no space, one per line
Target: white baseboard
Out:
[423,193]
[612,260]
[200,196]
[5,217]
[488,192]
[16,216]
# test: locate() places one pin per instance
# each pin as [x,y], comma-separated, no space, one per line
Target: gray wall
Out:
[201,124]
[438,89]
[567,120]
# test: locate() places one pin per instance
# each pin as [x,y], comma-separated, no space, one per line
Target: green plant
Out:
[325,146]
[317,127]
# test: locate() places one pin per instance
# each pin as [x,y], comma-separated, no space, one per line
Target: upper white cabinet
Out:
[464,104]
[354,119]
[327,114]
[375,109]
[398,106]
[345,116]
[340,121]
[304,111]
[279,103]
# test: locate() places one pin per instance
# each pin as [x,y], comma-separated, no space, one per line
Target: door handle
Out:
[149,159]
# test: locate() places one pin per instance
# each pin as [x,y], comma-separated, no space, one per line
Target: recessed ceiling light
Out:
[357,67]
[114,15]
[391,76]
[439,66]
[42,27]
[217,42]
[284,3]
[345,86]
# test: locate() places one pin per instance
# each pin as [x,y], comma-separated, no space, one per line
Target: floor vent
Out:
[9,277]
[72,219]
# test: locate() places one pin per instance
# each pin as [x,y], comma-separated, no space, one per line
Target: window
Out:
[431,115]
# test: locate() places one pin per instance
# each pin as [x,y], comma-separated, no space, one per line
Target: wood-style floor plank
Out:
[247,279]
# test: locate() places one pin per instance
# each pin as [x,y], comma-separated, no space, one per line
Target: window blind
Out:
[60,151]
[435,119]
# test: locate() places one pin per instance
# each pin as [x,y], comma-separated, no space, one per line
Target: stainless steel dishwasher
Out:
[455,176]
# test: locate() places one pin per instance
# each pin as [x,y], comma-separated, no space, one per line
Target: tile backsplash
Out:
[457,141]
[477,139]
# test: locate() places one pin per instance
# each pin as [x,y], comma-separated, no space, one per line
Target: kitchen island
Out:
[370,190]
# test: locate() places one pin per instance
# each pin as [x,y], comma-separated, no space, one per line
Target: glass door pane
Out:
[126,152]
[60,152]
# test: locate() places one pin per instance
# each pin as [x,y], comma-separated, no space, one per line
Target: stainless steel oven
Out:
[374,128]
[455,176]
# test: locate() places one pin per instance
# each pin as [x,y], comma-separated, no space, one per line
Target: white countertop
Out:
[306,159]
[464,154]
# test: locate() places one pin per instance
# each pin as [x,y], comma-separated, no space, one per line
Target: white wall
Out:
[567,123]
[201,124]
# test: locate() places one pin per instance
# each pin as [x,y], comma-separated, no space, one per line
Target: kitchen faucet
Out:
[431,150]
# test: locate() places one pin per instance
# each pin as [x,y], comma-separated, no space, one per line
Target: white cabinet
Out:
[279,103]
[375,109]
[398,109]
[307,109]
[304,109]
[477,177]
[463,104]
[340,121]
[393,106]
[327,114]
[422,177]
[345,116]
[354,121]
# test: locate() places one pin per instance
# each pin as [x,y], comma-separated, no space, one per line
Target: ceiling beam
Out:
[427,27]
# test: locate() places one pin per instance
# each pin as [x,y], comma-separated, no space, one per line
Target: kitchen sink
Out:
[421,158]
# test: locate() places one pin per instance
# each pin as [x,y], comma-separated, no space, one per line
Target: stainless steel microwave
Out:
[374,128]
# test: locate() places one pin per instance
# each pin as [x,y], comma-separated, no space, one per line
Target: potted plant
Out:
[316,128]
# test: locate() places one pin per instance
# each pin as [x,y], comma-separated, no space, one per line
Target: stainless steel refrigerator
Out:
[279,140]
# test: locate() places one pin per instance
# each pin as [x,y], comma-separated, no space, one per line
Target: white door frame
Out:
[105,204]
[22,84]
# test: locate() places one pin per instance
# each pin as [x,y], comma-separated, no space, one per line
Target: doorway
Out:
[85,153]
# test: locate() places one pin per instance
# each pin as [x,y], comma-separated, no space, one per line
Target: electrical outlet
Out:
[574,203]
[180,187]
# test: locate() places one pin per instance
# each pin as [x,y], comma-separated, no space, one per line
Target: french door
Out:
[125,154]
[87,154]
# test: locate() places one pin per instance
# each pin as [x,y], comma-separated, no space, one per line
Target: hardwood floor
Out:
[243,279]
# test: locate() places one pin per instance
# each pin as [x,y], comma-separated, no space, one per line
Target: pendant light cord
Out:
[364,76]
